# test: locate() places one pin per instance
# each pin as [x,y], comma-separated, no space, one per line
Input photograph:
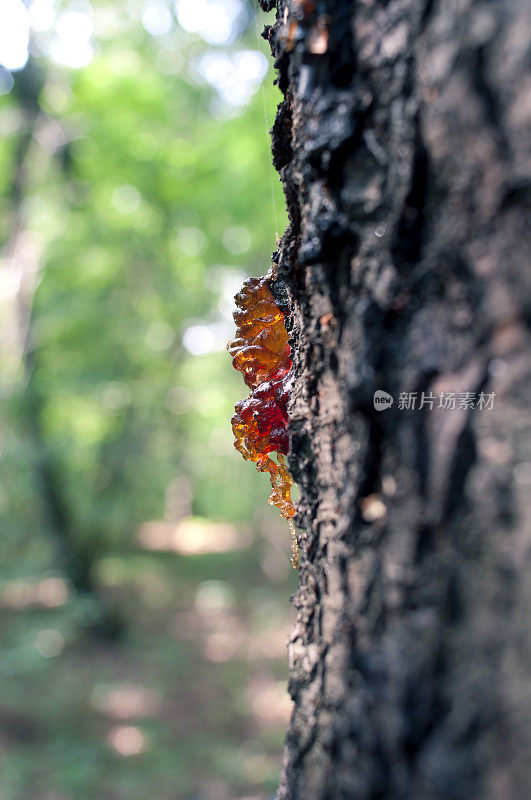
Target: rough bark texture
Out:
[403,147]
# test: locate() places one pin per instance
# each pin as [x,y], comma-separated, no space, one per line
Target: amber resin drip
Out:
[260,351]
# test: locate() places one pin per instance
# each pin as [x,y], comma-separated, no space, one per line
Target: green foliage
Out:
[134,198]
[143,198]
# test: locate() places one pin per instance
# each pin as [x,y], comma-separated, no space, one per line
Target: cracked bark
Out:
[402,143]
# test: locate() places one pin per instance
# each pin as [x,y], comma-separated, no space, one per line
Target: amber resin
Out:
[260,351]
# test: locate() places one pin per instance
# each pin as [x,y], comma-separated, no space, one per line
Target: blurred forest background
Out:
[144,580]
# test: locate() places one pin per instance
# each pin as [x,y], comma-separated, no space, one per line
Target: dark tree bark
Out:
[403,146]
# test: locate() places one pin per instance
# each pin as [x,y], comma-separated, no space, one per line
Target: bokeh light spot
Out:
[49,643]
[126,199]
[42,14]
[236,76]
[237,240]
[156,19]
[214,20]
[14,34]
[190,241]
[127,740]
[72,45]
[202,339]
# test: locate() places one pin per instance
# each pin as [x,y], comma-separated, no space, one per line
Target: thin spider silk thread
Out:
[277,480]
[293,533]
[275,219]
[268,148]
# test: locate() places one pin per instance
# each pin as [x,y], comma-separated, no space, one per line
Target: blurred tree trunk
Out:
[21,264]
[403,146]
[22,260]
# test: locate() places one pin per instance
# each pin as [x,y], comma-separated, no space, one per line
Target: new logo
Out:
[382,400]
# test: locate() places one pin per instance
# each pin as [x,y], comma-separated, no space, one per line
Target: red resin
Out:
[261,353]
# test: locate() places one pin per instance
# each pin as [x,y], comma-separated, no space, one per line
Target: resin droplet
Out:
[260,351]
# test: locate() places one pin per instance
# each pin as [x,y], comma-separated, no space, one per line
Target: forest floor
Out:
[189,703]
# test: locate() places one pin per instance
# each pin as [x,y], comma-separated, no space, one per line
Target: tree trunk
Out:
[402,143]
